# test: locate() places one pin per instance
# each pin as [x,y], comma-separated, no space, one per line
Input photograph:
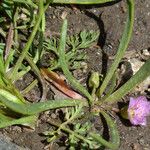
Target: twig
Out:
[9,42]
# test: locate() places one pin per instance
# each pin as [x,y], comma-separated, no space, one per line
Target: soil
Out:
[109,20]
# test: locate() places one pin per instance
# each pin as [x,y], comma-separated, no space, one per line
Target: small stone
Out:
[136,146]
[146,148]
[141,141]
[135,64]
[54,116]
[146,52]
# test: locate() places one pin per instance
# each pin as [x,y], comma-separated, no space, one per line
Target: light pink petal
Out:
[138,110]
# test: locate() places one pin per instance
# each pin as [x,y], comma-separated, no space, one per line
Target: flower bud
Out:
[94,80]
[124,113]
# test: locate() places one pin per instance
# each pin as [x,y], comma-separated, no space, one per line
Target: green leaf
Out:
[87,38]
[30,40]
[32,109]
[141,75]
[9,59]
[2,68]
[83,40]
[64,63]
[82,1]
[2,19]
[10,96]
[26,121]
[7,6]
[115,139]
[112,86]
[73,53]
[122,47]
[51,44]
[28,2]
[4,118]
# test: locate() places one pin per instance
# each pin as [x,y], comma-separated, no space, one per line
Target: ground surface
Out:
[109,20]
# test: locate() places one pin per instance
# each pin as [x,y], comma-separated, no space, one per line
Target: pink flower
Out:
[138,110]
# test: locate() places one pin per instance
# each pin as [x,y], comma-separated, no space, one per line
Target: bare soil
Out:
[109,20]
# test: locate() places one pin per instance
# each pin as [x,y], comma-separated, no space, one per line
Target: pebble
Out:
[6,144]
[136,64]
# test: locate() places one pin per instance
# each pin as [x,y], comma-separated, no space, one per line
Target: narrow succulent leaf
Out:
[141,75]
[26,121]
[64,64]
[31,109]
[38,73]
[10,96]
[28,2]
[9,90]
[4,118]
[83,1]
[122,47]
[115,140]
[8,7]
[9,59]
[2,66]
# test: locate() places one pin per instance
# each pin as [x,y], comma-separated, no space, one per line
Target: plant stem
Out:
[30,87]
[38,73]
